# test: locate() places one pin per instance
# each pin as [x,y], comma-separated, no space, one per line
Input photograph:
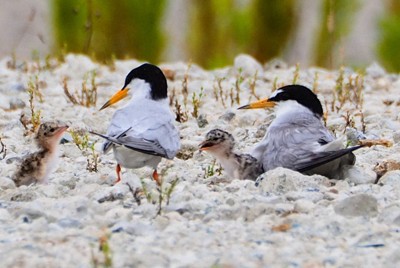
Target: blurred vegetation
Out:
[218,30]
[273,25]
[389,45]
[337,21]
[104,29]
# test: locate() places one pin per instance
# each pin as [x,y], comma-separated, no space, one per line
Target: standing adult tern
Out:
[142,132]
[297,138]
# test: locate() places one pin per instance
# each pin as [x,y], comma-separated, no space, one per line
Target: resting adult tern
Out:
[220,144]
[142,132]
[297,138]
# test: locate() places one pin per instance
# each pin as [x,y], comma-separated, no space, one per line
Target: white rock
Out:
[360,175]
[304,206]
[247,66]
[358,205]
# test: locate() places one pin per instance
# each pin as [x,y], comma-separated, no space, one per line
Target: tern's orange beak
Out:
[116,98]
[264,103]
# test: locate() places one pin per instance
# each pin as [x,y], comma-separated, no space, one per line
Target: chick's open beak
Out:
[205,145]
[264,103]
[116,98]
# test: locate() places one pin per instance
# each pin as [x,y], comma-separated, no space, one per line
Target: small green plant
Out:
[196,102]
[105,249]
[165,194]
[88,94]
[92,159]
[348,90]
[81,139]
[210,170]
[34,121]
[34,89]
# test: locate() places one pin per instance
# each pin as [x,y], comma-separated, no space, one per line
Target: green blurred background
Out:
[326,33]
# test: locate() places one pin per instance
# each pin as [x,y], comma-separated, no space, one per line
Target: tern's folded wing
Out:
[137,144]
[321,158]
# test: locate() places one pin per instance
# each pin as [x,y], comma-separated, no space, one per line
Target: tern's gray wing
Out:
[137,144]
[151,128]
[290,144]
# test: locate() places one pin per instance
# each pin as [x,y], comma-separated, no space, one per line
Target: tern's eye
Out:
[52,129]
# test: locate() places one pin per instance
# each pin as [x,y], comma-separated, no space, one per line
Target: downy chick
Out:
[220,144]
[37,166]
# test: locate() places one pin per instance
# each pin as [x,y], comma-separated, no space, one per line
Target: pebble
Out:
[17,103]
[357,205]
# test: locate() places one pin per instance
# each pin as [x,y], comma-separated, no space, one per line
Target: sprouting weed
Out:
[315,83]
[296,74]
[93,159]
[80,138]
[185,89]
[275,84]
[146,191]
[164,194]
[196,102]
[348,117]
[219,92]
[136,194]
[252,86]
[238,82]
[33,86]
[180,116]
[35,114]
[232,97]
[210,170]
[88,94]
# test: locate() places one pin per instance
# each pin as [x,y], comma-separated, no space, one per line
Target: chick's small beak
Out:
[205,145]
[61,129]
[264,103]
[116,98]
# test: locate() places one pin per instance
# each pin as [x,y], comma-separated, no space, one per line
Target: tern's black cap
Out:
[302,95]
[152,75]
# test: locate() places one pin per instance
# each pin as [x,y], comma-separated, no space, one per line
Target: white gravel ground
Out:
[290,220]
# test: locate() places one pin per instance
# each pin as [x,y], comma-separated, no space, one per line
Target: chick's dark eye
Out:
[52,129]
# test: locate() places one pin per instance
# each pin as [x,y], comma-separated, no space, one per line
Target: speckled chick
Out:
[220,144]
[37,166]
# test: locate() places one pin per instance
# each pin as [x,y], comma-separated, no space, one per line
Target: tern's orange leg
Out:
[156,177]
[118,170]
